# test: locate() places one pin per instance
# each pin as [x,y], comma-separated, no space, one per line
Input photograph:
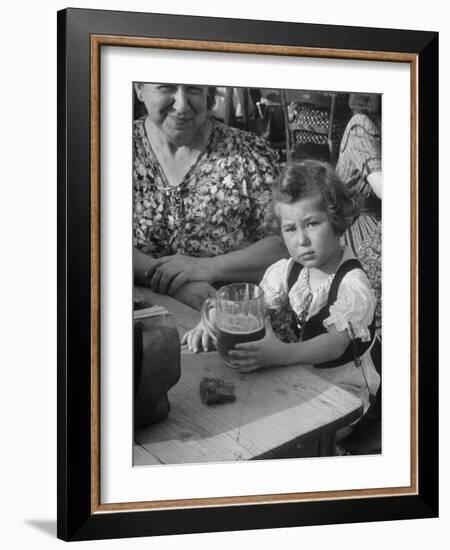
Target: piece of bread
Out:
[214,391]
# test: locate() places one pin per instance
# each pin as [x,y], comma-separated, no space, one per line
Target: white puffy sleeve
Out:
[274,285]
[355,303]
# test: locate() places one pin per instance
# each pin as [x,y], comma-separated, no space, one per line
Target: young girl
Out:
[322,282]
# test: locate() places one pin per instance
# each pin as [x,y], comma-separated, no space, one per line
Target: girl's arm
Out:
[322,348]
[270,351]
[355,303]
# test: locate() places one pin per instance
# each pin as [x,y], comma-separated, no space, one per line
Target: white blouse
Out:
[355,300]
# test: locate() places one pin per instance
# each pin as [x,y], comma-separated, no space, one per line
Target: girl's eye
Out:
[288,228]
[312,224]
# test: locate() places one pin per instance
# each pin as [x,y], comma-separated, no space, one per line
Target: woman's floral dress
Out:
[360,155]
[220,205]
[369,254]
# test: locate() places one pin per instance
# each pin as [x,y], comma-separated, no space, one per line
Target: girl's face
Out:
[309,234]
[180,111]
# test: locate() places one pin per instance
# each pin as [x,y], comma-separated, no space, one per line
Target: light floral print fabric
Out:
[220,205]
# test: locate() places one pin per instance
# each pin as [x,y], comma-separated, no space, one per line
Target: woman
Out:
[359,164]
[201,191]
[359,167]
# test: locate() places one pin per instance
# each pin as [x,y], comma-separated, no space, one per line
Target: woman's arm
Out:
[249,263]
[193,294]
[375,180]
[141,263]
[168,274]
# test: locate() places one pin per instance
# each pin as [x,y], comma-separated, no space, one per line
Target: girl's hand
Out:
[197,339]
[252,356]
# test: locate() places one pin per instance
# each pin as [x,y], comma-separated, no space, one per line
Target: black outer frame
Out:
[75,521]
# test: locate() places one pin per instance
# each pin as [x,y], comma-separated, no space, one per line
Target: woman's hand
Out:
[142,263]
[251,356]
[197,339]
[168,274]
[194,294]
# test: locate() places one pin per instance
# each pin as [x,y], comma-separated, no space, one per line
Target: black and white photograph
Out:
[246,299]
[257,240]
[225,264]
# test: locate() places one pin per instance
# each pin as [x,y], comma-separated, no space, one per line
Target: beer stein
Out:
[235,315]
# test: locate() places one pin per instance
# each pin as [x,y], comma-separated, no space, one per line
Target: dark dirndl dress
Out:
[361,356]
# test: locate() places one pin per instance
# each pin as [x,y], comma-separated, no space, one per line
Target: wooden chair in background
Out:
[310,119]
[295,122]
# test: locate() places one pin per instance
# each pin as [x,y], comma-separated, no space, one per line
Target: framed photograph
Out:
[218,170]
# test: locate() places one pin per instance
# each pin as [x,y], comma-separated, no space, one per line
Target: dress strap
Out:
[346,267]
[294,274]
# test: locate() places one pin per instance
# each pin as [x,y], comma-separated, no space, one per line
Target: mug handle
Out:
[207,305]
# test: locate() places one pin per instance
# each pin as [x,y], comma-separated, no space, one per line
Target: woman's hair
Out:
[308,178]
[367,104]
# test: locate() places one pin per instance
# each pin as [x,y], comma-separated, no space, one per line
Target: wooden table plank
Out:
[141,457]
[275,408]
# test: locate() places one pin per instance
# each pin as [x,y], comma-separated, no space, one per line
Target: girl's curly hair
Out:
[306,178]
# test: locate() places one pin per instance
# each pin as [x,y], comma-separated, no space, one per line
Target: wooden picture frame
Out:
[81,35]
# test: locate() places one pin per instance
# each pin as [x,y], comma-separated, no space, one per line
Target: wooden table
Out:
[279,412]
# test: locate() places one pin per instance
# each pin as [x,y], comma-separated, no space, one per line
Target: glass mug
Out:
[239,313]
